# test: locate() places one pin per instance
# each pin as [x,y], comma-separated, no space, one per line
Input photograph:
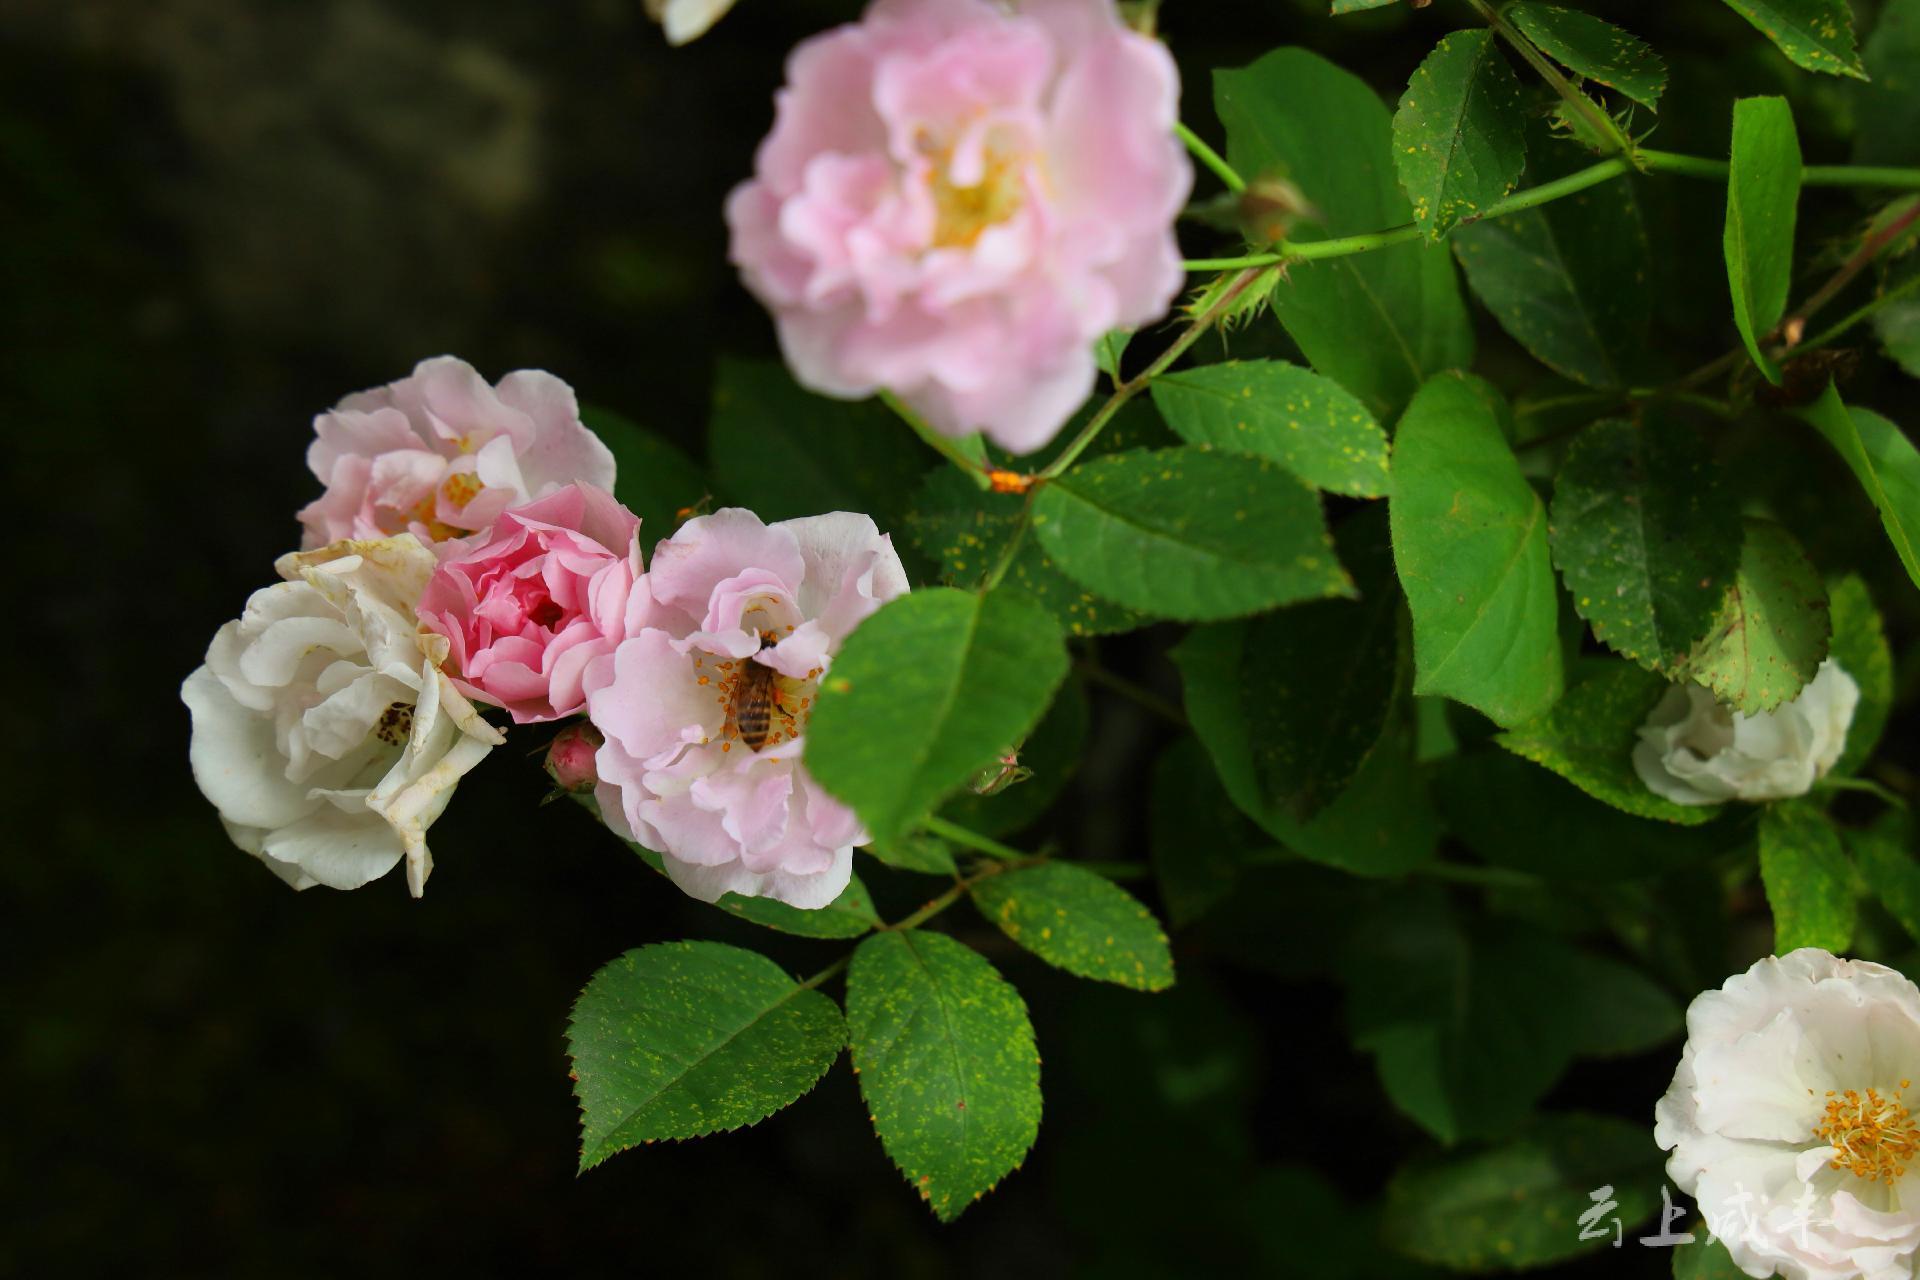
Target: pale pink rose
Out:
[527,607]
[680,773]
[958,198]
[440,454]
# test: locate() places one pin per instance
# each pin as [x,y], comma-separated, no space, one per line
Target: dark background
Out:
[216,217]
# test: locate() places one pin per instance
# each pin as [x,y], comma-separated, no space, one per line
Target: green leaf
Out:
[1278,411]
[681,1039]
[916,851]
[786,452]
[1516,815]
[1626,1012]
[1815,34]
[1377,323]
[652,479]
[1646,536]
[1458,141]
[1382,823]
[1886,109]
[1200,841]
[1079,921]
[947,1064]
[1897,325]
[1189,533]
[1808,879]
[1588,739]
[926,691]
[1705,1259]
[1860,647]
[1110,351]
[1886,464]
[1887,868]
[1470,539]
[1052,752]
[965,531]
[1327,677]
[1773,627]
[1469,1030]
[847,916]
[1518,1205]
[1763,198]
[1359,6]
[1600,51]
[1569,280]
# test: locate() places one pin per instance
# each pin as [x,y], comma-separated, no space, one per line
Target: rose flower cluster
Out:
[468,555]
[957,200]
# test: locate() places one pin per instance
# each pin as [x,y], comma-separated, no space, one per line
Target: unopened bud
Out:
[570,758]
[1270,206]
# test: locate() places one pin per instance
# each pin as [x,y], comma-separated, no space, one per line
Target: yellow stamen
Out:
[1874,1138]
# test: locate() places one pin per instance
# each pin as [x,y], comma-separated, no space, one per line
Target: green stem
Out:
[1599,120]
[1144,697]
[1490,877]
[1814,175]
[931,910]
[1860,313]
[1207,156]
[946,446]
[1138,383]
[827,972]
[957,834]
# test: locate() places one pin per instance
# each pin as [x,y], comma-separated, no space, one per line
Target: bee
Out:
[756,698]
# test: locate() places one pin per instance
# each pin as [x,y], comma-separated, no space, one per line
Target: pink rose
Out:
[440,454]
[525,609]
[705,704]
[570,758]
[956,201]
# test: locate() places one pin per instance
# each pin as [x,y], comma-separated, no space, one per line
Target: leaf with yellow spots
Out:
[1281,412]
[1645,535]
[1189,533]
[681,1039]
[1079,921]
[1815,34]
[947,1064]
[1773,628]
[1593,48]
[1518,1204]
[1459,138]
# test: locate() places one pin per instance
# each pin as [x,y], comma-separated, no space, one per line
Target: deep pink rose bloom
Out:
[958,198]
[680,771]
[527,607]
[440,454]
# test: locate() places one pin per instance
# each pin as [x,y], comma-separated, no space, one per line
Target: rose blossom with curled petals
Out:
[958,198]
[724,594]
[324,729]
[527,607]
[1791,1118]
[440,454]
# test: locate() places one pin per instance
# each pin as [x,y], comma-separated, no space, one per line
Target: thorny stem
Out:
[945,446]
[1104,414]
[1207,156]
[1598,119]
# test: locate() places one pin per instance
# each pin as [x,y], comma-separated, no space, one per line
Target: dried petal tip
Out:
[570,758]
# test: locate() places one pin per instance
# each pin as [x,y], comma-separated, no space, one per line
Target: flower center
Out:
[961,214]
[459,489]
[1874,1137]
[763,708]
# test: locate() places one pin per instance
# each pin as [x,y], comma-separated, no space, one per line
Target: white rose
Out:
[1692,750]
[1788,1120]
[686,20]
[323,728]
